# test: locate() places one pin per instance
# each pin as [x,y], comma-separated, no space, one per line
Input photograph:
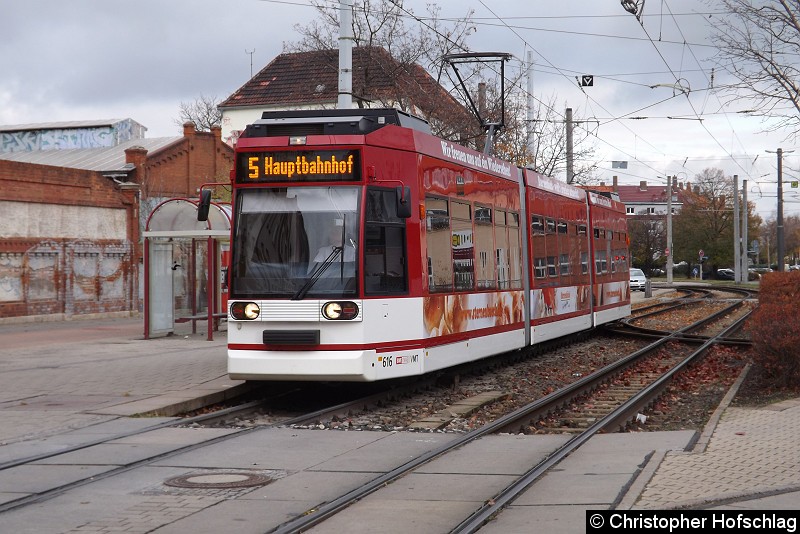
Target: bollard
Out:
[648,289]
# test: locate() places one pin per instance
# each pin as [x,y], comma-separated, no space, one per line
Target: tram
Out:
[364,248]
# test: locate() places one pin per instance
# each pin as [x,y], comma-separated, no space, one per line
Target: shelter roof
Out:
[177,217]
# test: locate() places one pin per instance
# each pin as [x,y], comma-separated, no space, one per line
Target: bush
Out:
[775,328]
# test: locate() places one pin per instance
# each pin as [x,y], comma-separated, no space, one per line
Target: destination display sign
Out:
[298,166]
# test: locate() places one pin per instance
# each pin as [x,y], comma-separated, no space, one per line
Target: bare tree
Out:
[759,43]
[383,23]
[381,27]
[425,43]
[648,234]
[547,152]
[705,221]
[203,112]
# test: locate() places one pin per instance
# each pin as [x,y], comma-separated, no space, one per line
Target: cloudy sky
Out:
[93,59]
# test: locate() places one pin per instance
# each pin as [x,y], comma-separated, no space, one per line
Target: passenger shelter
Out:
[183,258]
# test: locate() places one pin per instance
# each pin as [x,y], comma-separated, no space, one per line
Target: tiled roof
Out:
[304,78]
[649,194]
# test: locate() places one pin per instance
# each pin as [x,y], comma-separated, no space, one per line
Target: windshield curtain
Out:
[285,236]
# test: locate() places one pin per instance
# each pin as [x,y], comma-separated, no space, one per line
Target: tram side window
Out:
[540,268]
[551,266]
[564,266]
[538,247]
[601,262]
[537,225]
[385,245]
[514,249]
[484,247]
[463,245]
[501,252]
[439,238]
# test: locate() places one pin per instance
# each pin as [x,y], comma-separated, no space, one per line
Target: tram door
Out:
[162,312]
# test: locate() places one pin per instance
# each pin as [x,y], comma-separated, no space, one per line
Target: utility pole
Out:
[745,255]
[737,243]
[779,222]
[669,229]
[530,140]
[570,154]
[345,99]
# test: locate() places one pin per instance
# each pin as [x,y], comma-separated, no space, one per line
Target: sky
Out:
[93,59]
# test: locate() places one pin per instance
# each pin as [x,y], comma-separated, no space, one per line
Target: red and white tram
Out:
[364,248]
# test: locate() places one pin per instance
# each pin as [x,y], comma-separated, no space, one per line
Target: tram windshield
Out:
[295,242]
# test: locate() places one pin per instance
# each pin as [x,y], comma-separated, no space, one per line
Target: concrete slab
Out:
[676,440]
[8,497]
[440,487]
[178,437]
[397,517]
[404,446]
[310,487]
[37,478]
[621,453]
[505,455]
[571,489]
[276,448]
[238,516]
[565,519]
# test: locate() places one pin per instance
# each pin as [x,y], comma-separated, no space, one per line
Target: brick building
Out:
[70,231]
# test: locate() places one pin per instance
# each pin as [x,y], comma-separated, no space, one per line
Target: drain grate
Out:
[218,480]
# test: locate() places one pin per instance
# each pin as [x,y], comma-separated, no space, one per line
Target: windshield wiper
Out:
[317,272]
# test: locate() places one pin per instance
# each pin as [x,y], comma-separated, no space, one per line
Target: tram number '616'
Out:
[389,361]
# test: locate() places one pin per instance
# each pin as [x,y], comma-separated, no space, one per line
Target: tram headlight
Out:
[245,310]
[340,311]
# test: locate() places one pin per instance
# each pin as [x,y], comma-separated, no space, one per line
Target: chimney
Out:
[615,182]
[188,129]
[217,131]
[643,185]
[136,155]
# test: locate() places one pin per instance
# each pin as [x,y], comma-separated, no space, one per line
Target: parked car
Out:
[725,274]
[638,280]
[729,274]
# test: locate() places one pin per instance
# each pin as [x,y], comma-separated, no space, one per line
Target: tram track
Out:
[513,422]
[615,417]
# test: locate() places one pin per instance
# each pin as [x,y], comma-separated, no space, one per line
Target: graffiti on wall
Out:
[68,138]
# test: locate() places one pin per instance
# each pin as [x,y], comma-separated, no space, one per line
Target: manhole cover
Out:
[218,480]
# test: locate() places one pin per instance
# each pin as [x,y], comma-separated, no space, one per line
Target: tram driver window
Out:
[385,245]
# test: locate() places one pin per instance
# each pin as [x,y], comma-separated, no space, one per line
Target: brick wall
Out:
[60,275]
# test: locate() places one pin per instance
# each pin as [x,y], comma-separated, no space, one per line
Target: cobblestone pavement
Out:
[752,451]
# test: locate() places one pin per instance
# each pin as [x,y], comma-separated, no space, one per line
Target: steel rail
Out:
[549,402]
[481,516]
